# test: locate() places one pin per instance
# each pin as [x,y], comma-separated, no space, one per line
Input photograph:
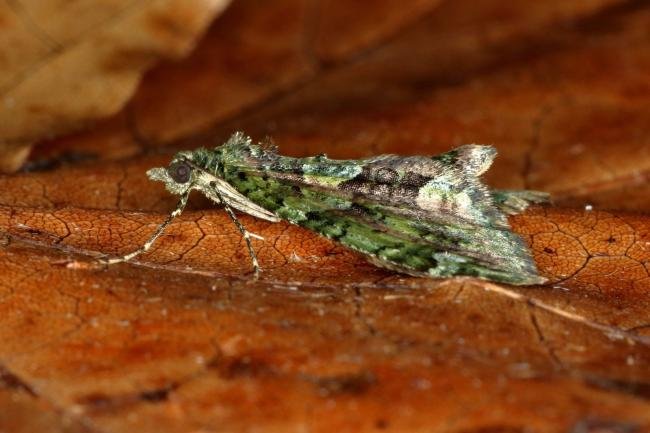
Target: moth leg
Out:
[245,233]
[161,228]
[247,237]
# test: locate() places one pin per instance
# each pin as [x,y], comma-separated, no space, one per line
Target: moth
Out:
[418,215]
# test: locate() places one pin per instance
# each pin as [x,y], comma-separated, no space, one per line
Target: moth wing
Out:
[418,215]
[432,246]
[444,187]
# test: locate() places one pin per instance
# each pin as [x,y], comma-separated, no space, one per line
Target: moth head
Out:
[178,177]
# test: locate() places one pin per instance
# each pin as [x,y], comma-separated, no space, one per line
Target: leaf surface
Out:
[182,339]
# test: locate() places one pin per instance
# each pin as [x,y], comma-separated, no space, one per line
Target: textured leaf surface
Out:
[183,340]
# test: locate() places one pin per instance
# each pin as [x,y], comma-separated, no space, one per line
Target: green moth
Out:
[423,216]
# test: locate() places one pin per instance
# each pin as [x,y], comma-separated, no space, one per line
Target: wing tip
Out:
[476,158]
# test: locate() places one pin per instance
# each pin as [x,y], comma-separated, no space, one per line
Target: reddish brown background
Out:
[182,340]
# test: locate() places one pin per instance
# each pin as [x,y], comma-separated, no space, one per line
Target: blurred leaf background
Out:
[93,93]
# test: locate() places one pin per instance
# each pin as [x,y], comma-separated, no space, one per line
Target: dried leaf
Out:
[65,66]
[183,339]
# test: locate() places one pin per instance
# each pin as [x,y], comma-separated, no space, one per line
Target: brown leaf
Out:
[65,66]
[183,339]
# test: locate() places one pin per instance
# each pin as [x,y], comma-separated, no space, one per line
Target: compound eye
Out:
[180,172]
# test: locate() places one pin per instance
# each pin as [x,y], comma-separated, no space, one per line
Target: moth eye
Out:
[180,172]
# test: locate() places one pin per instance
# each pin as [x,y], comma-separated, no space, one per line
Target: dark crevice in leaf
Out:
[106,403]
[9,380]
[65,158]
[350,384]
[637,389]
[600,425]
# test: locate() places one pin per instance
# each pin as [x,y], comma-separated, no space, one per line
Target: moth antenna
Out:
[161,228]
